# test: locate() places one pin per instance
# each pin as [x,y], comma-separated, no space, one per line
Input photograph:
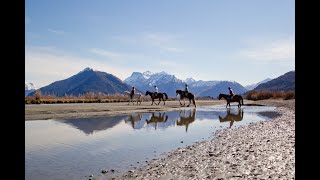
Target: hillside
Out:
[85,81]
[284,82]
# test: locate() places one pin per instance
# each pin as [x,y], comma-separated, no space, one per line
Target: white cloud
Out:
[278,50]
[171,49]
[166,42]
[163,41]
[105,53]
[59,32]
[47,65]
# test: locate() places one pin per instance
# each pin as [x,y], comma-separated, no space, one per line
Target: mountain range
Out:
[86,81]
[89,80]
[285,82]
[169,84]
[252,86]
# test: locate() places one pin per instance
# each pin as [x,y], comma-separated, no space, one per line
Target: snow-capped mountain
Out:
[190,80]
[252,86]
[146,81]
[147,74]
[169,84]
[29,88]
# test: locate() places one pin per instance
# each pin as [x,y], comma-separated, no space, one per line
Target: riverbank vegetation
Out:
[261,95]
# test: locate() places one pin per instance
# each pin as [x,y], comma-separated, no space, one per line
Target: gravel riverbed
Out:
[263,150]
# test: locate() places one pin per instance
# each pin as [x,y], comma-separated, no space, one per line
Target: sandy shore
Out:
[263,150]
[63,111]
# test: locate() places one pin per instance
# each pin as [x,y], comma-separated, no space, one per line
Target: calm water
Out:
[76,148]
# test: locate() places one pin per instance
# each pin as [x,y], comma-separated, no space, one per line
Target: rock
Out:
[104,171]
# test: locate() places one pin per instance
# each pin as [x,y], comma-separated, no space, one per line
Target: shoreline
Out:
[79,110]
[262,150]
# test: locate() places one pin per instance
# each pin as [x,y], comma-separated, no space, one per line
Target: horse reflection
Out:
[186,120]
[232,117]
[132,118]
[155,119]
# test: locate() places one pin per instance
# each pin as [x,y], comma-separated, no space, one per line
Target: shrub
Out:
[260,95]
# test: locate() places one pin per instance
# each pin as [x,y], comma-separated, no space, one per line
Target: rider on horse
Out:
[132,92]
[231,93]
[186,90]
[155,92]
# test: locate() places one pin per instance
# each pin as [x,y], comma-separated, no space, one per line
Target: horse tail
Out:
[242,101]
[166,95]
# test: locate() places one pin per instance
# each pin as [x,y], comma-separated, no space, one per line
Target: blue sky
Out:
[245,41]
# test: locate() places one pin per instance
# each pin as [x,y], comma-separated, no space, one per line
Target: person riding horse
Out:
[132,92]
[186,90]
[155,92]
[231,93]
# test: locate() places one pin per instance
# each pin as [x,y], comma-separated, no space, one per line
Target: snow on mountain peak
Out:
[189,80]
[147,74]
[86,69]
[162,73]
[29,86]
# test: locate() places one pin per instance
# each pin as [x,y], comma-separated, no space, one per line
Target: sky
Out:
[244,41]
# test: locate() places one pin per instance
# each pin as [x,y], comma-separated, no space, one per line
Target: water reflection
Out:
[186,120]
[155,119]
[232,117]
[53,149]
[269,114]
[133,118]
[89,125]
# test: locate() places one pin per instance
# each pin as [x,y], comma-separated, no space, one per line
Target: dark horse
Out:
[182,95]
[161,118]
[186,120]
[159,95]
[235,98]
[232,117]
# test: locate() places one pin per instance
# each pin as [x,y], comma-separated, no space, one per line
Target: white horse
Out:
[136,95]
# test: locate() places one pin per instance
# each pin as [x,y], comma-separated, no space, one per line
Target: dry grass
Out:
[260,95]
[86,98]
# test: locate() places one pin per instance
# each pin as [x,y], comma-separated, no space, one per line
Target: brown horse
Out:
[235,98]
[232,117]
[182,95]
[159,95]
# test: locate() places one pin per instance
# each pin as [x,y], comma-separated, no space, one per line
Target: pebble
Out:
[262,150]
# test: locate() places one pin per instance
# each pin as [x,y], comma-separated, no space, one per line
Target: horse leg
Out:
[180,102]
[189,102]
[159,101]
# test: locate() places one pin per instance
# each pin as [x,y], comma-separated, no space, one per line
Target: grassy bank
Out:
[262,95]
[88,98]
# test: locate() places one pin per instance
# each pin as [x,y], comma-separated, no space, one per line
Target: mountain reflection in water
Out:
[160,120]
[89,125]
